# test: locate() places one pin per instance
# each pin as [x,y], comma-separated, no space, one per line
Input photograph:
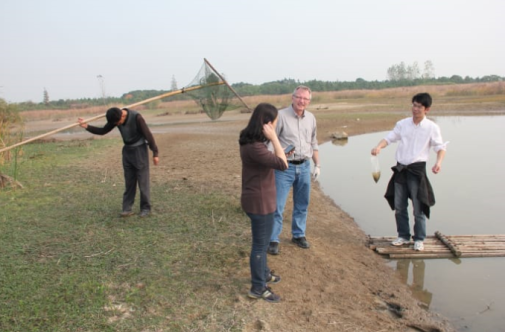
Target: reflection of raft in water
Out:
[443,246]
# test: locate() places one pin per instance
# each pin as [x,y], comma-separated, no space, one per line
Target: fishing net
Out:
[210,91]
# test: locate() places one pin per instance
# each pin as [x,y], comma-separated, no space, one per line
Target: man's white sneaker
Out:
[400,241]
[418,245]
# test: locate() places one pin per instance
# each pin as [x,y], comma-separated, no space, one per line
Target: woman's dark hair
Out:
[423,99]
[262,114]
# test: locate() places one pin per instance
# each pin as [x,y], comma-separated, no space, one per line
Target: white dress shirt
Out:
[415,141]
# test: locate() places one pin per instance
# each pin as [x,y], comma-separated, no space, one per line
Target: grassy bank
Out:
[70,263]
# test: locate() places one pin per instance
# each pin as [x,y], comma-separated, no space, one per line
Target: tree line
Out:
[399,75]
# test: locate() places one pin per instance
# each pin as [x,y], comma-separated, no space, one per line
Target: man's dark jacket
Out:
[425,192]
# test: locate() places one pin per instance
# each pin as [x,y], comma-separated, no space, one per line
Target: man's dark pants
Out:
[136,170]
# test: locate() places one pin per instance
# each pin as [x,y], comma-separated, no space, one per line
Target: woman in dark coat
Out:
[258,197]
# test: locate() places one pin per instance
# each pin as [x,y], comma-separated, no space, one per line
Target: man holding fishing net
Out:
[136,137]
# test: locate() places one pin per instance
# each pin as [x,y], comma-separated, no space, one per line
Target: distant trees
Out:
[429,70]
[457,79]
[399,75]
[402,72]
[491,78]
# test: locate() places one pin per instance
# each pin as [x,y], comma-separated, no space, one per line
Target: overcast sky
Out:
[64,45]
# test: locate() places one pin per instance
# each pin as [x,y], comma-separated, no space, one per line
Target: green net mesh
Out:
[212,94]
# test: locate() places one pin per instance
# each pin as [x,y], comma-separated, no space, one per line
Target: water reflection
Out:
[416,284]
[339,142]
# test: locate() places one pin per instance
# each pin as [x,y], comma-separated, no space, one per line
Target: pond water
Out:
[470,194]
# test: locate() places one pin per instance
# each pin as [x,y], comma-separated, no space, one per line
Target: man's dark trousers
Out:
[136,170]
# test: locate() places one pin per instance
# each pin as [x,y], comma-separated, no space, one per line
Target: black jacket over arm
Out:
[425,193]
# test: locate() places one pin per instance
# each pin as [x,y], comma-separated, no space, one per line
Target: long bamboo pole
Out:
[225,82]
[165,95]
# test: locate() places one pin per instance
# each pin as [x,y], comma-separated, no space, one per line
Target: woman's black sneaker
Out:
[272,278]
[265,294]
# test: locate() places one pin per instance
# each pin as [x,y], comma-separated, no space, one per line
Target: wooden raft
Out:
[443,246]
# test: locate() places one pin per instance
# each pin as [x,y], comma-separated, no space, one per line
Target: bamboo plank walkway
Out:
[443,246]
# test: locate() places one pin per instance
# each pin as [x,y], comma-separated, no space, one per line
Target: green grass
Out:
[68,262]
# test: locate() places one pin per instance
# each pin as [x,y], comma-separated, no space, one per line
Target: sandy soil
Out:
[338,284]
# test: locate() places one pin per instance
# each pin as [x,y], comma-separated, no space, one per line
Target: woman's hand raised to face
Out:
[269,131]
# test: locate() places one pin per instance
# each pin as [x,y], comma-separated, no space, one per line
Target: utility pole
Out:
[102,86]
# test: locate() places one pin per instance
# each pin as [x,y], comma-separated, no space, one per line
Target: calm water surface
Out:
[470,196]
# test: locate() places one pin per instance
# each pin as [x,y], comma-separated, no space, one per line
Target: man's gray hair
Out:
[303,87]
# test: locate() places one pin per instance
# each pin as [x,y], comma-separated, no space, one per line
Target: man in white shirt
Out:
[415,136]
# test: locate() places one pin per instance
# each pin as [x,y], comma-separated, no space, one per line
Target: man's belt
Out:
[297,162]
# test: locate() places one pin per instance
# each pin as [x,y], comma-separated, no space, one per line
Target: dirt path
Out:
[338,284]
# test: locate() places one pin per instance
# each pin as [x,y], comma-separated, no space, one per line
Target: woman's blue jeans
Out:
[404,191]
[261,227]
[298,177]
